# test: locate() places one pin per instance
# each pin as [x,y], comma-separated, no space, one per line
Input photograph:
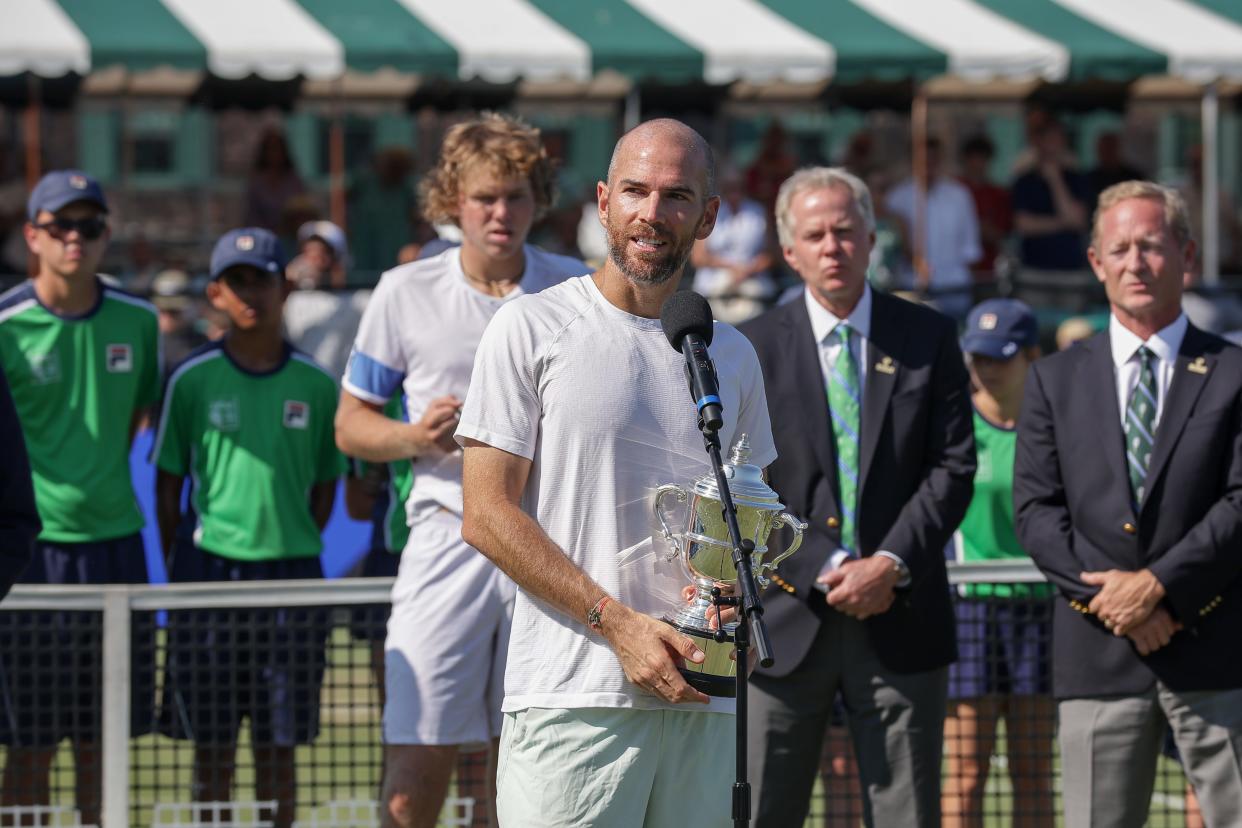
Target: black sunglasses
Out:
[88,228]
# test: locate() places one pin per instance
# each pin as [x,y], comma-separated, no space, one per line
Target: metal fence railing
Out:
[210,704]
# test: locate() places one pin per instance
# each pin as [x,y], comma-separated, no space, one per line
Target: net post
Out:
[117,657]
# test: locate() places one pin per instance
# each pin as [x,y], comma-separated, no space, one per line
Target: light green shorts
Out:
[615,768]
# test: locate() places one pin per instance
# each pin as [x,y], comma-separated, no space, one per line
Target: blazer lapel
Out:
[883,366]
[1101,375]
[1190,373]
[808,383]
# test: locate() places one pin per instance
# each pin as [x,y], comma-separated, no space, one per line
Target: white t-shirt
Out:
[419,334]
[738,237]
[323,324]
[596,398]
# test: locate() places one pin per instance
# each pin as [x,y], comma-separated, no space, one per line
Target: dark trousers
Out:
[896,722]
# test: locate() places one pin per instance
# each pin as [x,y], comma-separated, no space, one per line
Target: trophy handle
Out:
[658,508]
[786,519]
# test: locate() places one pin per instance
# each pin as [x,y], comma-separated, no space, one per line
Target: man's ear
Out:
[708,222]
[214,294]
[790,259]
[1188,256]
[1097,267]
[601,201]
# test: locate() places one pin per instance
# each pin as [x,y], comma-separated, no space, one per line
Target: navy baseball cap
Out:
[999,328]
[62,187]
[251,246]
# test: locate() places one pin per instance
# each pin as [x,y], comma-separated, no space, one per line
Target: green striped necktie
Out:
[844,406]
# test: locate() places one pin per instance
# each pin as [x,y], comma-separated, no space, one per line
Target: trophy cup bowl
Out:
[706,552]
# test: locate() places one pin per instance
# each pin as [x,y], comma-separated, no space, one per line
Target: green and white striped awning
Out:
[717,41]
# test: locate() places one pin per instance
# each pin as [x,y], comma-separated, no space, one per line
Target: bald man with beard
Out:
[579,410]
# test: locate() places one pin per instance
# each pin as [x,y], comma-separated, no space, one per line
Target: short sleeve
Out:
[171,452]
[752,417]
[502,407]
[377,363]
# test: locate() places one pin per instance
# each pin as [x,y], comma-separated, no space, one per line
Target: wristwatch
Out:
[899,566]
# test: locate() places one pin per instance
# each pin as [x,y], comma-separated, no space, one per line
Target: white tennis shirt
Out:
[595,397]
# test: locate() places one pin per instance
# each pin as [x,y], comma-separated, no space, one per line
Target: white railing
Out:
[118,603]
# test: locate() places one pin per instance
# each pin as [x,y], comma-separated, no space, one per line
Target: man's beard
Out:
[644,271]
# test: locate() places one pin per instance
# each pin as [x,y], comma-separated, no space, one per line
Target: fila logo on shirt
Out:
[120,359]
[297,414]
[44,368]
[224,415]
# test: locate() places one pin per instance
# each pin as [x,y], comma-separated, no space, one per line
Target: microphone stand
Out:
[750,620]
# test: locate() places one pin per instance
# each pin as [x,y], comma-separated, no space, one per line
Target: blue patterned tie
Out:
[1141,426]
[844,405]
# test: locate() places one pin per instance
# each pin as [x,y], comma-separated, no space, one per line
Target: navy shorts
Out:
[1004,648]
[370,621]
[223,665]
[51,663]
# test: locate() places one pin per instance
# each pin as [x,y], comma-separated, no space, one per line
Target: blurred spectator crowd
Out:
[948,234]
[954,230]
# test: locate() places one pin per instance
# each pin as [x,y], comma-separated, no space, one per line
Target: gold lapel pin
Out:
[886,366]
[1199,366]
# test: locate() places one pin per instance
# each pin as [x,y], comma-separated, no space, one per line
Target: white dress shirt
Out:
[824,325]
[1164,345]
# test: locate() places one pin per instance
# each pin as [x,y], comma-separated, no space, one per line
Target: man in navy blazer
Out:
[1128,495]
[870,407]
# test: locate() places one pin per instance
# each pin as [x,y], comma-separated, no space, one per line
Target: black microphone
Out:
[687,322]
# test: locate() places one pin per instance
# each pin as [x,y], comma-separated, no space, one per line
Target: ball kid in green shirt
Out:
[83,362]
[250,421]
[1004,633]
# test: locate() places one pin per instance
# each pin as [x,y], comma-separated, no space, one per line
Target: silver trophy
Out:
[706,550]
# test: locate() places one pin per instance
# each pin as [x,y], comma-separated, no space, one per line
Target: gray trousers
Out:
[1109,749]
[896,723]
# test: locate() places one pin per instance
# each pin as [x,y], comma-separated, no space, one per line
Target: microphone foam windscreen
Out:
[685,312]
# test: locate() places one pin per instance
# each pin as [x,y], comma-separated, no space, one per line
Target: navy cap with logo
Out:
[61,188]
[999,328]
[251,246]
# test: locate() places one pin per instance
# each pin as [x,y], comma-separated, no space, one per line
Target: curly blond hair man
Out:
[451,607]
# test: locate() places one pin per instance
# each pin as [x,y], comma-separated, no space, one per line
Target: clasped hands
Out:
[1128,604]
[862,587]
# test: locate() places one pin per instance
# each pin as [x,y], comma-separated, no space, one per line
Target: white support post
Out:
[633,108]
[117,672]
[1211,186]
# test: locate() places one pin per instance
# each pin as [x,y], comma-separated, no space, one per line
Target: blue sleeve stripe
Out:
[375,380]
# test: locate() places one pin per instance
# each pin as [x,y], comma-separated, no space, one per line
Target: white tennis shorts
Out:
[616,768]
[448,636]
